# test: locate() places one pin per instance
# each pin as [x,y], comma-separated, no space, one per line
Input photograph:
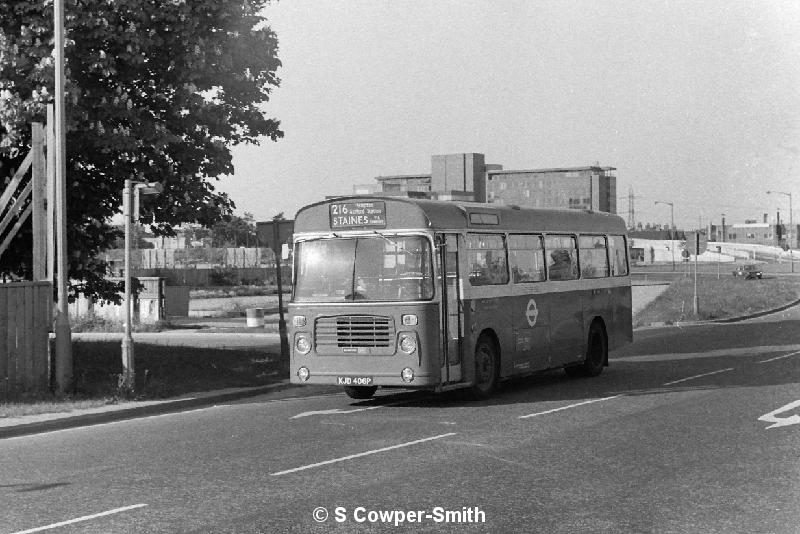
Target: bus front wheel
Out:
[360,392]
[485,368]
[596,354]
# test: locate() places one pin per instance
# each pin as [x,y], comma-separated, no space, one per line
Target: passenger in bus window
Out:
[561,267]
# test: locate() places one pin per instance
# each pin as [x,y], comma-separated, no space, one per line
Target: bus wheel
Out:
[360,392]
[485,368]
[596,354]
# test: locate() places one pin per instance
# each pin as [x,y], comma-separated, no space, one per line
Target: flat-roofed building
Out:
[467,176]
[592,187]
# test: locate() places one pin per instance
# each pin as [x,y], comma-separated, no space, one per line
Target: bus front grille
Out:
[354,332]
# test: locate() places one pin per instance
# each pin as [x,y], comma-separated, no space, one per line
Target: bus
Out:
[416,293]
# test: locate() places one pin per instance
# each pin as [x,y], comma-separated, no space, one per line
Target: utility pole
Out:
[696,299]
[63,364]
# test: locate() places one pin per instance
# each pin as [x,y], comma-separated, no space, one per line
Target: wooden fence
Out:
[25,319]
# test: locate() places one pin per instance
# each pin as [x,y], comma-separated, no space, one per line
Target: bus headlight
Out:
[407,374]
[303,373]
[299,321]
[302,344]
[408,343]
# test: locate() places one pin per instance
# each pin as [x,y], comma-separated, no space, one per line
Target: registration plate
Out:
[354,380]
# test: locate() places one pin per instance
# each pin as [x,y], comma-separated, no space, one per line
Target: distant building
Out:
[593,188]
[404,184]
[771,233]
[466,176]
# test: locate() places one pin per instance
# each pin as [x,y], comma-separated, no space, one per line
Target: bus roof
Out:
[392,212]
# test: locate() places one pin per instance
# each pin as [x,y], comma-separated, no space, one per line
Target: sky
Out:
[695,103]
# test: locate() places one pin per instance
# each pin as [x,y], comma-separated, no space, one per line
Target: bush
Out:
[223,277]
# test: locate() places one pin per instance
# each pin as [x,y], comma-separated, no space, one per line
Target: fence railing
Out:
[25,319]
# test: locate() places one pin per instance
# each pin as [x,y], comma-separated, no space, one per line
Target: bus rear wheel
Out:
[485,368]
[596,354]
[360,392]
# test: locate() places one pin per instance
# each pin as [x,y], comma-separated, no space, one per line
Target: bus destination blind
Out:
[358,215]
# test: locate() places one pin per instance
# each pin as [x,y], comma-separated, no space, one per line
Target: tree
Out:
[157,90]
[234,231]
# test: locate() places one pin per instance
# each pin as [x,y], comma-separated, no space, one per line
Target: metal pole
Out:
[63,364]
[127,339]
[791,224]
[791,228]
[281,318]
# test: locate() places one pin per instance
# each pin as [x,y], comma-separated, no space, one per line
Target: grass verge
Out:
[717,299]
[161,372]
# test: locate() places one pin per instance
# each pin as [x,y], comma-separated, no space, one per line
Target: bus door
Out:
[452,310]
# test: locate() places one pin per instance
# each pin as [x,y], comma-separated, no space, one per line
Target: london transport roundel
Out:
[531,312]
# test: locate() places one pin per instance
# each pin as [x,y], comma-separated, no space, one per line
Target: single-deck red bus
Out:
[400,292]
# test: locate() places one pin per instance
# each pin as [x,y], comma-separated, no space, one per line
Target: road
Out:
[689,430]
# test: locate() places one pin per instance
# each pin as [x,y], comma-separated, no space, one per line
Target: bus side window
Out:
[593,256]
[562,257]
[526,257]
[486,255]
[619,255]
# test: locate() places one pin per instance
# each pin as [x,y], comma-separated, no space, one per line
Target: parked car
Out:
[748,271]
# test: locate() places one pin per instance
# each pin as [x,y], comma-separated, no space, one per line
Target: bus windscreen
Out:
[380,268]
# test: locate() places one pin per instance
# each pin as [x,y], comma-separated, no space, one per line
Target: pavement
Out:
[32,424]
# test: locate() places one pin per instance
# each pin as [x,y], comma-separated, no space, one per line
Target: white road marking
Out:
[367,453]
[782,421]
[131,419]
[334,411]
[568,407]
[81,519]
[698,376]
[780,357]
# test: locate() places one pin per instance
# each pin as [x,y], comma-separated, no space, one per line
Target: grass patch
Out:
[49,404]
[167,371]
[718,299]
[161,372]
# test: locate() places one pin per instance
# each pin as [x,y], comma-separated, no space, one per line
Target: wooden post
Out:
[39,177]
[51,192]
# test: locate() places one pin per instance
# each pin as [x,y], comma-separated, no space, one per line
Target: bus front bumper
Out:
[419,380]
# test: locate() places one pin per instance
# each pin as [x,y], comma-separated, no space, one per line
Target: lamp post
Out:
[130,212]
[791,256]
[672,226]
